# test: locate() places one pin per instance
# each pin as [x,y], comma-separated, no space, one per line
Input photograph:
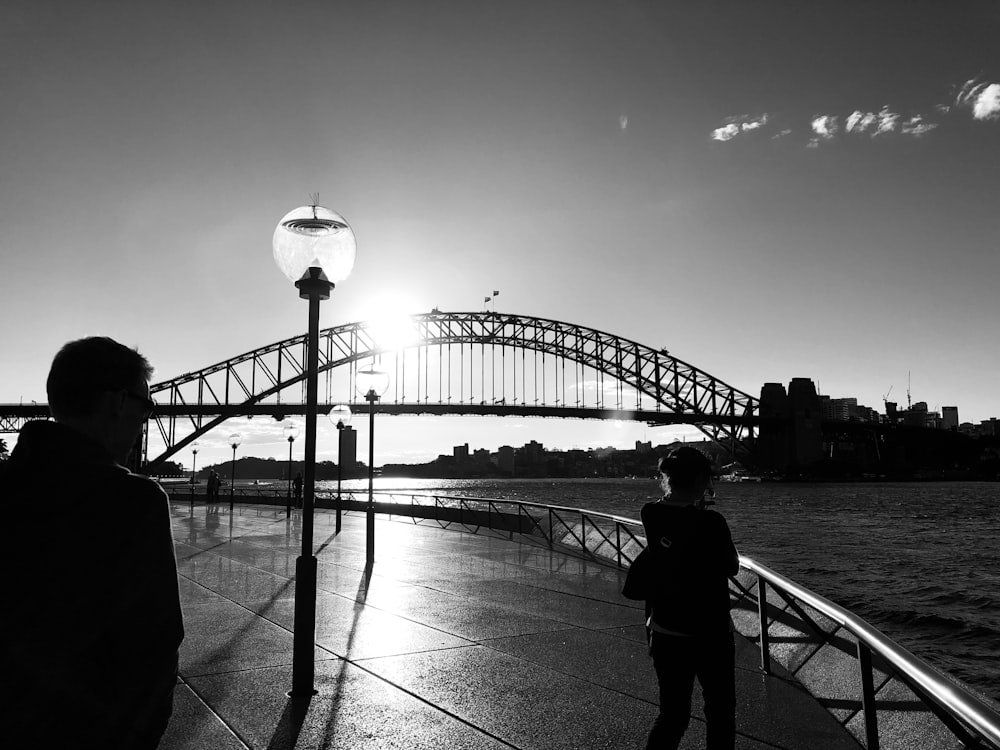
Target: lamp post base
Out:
[303,647]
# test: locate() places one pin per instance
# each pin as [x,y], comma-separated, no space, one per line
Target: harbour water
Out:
[918,561]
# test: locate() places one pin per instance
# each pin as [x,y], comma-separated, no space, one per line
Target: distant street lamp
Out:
[340,415]
[234,440]
[194,463]
[291,432]
[372,384]
[315,248]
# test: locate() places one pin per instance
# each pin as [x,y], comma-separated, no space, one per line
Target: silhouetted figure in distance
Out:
[213,487]
[690,631]
[89,642]
[297,489]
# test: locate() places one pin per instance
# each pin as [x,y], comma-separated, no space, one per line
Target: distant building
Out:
[534,453]
[846,410]
[807,426]
[349,442]
[461,452]
[791,430]
[641,447]
[505,458]
[949,417]
[772,439]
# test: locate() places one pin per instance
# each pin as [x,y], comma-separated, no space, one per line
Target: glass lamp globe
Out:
[291,431]
[340,414]
[235,439]
[195,446]
[314,236]
[372,380]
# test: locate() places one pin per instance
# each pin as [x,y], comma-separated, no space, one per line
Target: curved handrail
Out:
[955,701]
[974,712]
[950,698]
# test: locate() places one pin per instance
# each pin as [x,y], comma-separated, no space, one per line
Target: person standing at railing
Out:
[212,485]
[89,642]
[690,556]
[297,488]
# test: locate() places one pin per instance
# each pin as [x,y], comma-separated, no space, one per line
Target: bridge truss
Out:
[462,363]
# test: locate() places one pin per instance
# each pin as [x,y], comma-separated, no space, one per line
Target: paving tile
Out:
[904,722]
[195,593]
[222,636]
[465,618]
[350,629]
[619,664]
[235,580]
[833,675]
[353,711]
[560,607]
[520,702]
[193,724]
[779,711]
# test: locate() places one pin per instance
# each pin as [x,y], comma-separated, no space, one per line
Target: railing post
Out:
[868,696]
[765,643]
[618,542]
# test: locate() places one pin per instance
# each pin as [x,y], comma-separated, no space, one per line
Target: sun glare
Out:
[393,329]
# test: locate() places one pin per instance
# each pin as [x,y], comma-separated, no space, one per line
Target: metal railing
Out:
[617,540]
[604,537]
[970,719]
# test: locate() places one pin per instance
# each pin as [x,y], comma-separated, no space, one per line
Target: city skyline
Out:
[766,191]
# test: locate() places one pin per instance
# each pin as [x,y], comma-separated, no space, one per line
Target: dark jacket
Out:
[692,556]
[89,643]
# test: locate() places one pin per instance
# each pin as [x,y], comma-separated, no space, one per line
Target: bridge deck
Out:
[457,640]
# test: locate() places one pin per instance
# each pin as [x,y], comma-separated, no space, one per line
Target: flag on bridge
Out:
[487,300]
[495,293]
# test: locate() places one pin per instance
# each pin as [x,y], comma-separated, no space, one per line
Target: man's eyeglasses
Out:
[146,402]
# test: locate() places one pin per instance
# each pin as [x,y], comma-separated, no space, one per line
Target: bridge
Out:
[483,363]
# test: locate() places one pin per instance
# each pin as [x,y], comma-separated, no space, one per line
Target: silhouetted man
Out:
[89,643]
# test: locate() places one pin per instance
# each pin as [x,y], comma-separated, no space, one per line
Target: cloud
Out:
[916,126]
[982,98]
[726,133]
[888,122]
[825,126]
[734,126]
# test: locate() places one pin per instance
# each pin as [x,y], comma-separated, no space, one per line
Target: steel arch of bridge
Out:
[473,354]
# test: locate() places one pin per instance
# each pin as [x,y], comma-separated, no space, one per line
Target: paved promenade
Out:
[456,640]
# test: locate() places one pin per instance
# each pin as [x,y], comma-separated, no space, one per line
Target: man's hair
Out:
[84,369]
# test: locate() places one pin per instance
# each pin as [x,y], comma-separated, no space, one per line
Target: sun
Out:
[392,328]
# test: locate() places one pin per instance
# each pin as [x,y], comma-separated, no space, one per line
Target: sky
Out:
[768,189]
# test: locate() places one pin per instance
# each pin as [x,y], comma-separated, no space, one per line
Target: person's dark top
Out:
[693,556]
[93,624]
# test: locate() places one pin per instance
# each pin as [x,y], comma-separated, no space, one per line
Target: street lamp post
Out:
[234,440]
[194,464]
[315,248]
[340,415]
[291,432]
[372,383]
